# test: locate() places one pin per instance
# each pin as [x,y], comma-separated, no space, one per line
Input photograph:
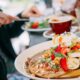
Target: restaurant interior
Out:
[39,39]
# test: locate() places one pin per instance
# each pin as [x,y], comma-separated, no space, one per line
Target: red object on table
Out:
[59,28]
[63,63]
[35,25]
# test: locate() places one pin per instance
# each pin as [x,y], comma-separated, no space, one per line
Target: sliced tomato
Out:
[74,48]
[35,25]
[63,64]
[78,45]
[58,49]
[65,50]
[52,57]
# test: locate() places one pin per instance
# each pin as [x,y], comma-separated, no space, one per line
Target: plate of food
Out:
[49,33]
[36,26]
[56,59]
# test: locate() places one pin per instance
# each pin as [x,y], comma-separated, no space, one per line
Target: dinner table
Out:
[36,38]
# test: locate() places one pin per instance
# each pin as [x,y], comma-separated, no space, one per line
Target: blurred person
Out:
[31,12]
[57,6]
[8,31]
[48,3]
[77,5]
[69,6]
[65,6]
[5,19]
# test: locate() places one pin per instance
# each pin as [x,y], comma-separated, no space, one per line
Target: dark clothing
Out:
[48,3]
[3,70]
[0,10]
[14,29]
[6,33]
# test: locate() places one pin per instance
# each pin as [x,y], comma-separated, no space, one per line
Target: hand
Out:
[6,19]
[77,5]
[32,12]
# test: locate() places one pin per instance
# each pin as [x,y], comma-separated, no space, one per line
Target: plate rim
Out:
[35,30]
[50,37]
[30,76]
[23,53]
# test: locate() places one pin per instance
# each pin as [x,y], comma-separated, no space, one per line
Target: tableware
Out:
[22,58]
[35,30]
[38,27]
[21,20]
[60,24]
[49,34]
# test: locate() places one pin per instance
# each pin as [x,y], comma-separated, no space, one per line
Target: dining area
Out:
[40,39]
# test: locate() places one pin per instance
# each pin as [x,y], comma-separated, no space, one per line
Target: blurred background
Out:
[14,7]
[48,7]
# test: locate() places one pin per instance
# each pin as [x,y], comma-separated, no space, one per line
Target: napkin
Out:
[21,42]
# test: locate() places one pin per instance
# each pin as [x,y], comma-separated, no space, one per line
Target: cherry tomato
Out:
[35,25]
[64,50]
[52,57]
[58,49]
[63,64]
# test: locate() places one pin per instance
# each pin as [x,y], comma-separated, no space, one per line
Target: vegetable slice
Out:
[63,64]
[52,57]
[73,63]
[35,25]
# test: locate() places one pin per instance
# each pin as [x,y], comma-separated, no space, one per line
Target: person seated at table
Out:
[77,4]
[65,6]
[8,31]
[69,6]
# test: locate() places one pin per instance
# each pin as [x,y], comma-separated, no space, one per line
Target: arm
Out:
[5,19]
[0,10]
[14,29]
[77,5]
[68,6]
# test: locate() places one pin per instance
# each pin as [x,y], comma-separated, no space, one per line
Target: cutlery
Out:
[27,20]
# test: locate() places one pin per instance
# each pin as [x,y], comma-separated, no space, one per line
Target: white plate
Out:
[21,59]
[49,35]
[35,30]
